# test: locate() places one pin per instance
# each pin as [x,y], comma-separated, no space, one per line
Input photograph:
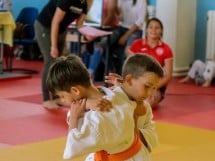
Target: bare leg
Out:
[207,83]
[185,79]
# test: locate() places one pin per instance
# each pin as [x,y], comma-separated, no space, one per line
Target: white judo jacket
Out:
[110,131]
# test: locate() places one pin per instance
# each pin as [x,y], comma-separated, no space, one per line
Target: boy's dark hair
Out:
[65,72]
[138,64]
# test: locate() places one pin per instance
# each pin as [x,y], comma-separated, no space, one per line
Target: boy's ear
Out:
[75,90]
[128,79]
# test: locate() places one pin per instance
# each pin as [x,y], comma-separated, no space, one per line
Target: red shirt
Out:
[161,52]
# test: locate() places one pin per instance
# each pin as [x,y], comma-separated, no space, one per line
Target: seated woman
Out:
[154,46]
[202,73]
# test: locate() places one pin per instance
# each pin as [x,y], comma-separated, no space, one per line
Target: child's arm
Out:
[102,104]
[147,131]
[113,78]
[77,110]
[139,111]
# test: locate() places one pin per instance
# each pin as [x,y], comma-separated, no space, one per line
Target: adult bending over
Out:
[50,29]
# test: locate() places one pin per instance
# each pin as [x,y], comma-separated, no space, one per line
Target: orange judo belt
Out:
[130,152]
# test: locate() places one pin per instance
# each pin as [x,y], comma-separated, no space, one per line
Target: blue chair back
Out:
[27,16]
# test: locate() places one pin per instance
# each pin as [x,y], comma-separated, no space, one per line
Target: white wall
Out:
[179,17]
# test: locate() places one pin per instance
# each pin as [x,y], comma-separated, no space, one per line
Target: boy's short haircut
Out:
[137,64]
[65,72]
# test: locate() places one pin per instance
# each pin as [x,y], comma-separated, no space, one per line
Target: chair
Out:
[25,44]
[25,35]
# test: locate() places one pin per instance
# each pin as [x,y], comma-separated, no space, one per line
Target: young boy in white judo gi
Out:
[138,75]
[110,134]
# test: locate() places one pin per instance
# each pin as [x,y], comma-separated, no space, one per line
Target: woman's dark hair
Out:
[154,19]
[134,2]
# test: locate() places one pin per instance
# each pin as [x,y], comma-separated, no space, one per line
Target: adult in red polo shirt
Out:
[161,52]
[155,47]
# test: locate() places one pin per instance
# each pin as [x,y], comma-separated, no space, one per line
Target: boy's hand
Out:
[140,109]
[114,79]
[54,52]
[77,110]
[101,105]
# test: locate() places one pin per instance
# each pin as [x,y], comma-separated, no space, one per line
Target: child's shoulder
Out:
[105,90]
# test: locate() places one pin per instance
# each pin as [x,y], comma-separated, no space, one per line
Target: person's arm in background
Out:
[168,68]
[157,95]
[111,11]
[58,17]
[124,37]
[80,20]
[142,9]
